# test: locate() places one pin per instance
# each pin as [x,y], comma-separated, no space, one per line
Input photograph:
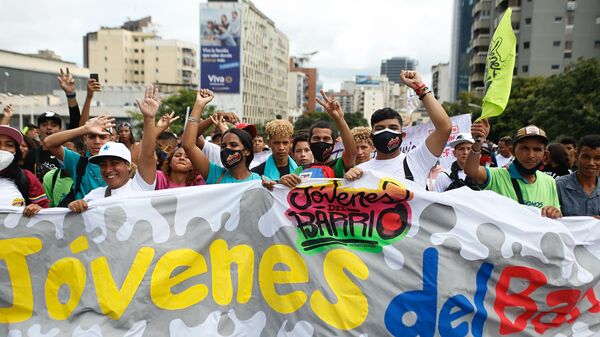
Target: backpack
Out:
[81,166]
[457,182]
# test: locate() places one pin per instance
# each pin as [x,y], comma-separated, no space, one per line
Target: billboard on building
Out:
[367,80]
[220,37]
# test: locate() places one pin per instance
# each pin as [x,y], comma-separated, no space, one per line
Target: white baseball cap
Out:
[112,149]
[461,138]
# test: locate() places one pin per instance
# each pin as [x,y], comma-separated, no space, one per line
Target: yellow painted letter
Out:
[13,252]
[352,306]
[70,272]
[114,301]
[162,282]
[297,273]
[221,258]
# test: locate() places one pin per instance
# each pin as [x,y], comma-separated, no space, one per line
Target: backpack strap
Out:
[407,173]
[81,166]
[518,191]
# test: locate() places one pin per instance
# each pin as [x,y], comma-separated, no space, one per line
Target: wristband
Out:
[71,95]
[193,120]
[421,90]
[424,94]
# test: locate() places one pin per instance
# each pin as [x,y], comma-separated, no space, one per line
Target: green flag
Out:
[499,67]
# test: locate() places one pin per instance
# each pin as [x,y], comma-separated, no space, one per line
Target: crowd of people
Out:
[48,165]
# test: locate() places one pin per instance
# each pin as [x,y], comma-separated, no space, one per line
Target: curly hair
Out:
[362,134]
[279,128]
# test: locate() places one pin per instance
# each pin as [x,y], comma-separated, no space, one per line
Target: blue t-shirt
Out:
[92,178]
[215,171]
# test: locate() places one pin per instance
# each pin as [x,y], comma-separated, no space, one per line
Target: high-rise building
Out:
[372,93]
[244,60]
[440,82]
[550,35]
[312,78]
[460,50]
[135,54]
[392,67]
[297,99]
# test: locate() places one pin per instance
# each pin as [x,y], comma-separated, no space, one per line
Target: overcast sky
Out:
[352,37]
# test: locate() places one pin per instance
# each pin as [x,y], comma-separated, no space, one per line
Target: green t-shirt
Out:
[61,187]
[539,194]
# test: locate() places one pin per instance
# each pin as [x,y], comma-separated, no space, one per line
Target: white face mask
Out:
[6,158]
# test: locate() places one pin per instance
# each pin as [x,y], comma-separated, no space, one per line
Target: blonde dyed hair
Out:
[362,134]
[279,128]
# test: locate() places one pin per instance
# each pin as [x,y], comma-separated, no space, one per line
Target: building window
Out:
[136,51]
[567,54]
[568,44]
[597,44]
[135,39]
[525,69]
[142,50]
[570,20]
[142,72]
[136,72]
[105,70]
[157,71]
[555,67]
[156,47]
[136,61]
[526,45]
[105,58]
[556,44]
[157,59]
[527,21]
[557,18]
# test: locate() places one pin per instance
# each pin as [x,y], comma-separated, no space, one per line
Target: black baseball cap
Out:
[49,115]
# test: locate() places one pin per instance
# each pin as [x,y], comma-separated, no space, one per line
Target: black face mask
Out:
[321,151]
[387,141]
[231,158]
[524,171]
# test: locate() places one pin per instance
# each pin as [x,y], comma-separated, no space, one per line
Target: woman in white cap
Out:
[19,187]
[115,161]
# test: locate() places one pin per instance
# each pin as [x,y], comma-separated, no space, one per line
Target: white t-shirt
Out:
[135,184]
[420,161]
[503,161]
[10,195]
[443,180]
[212,151]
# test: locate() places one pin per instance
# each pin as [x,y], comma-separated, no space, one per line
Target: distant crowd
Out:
[54,165]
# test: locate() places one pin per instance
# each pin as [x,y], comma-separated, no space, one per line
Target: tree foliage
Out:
[353,119]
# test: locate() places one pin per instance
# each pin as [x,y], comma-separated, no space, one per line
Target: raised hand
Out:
[8,111]
[412,79]
[204,96]
[333,107]
[100,125]
[219,122]
[66,81]
[480,130]
[93,86]
[165,121]
[149,106]
[229,117]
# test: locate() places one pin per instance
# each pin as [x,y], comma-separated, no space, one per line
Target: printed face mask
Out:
[321,151]
[231,158]
[6,158]
[387,140]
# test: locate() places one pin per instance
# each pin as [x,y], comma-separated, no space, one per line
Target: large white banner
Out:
[377,257]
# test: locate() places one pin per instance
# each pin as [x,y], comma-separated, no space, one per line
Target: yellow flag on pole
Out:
[499,67]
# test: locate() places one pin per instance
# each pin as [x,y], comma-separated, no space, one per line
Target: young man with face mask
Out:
[522,181]
[456,177]
[387,138]
[321,139]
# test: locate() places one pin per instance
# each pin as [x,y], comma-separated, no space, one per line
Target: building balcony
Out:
[480,6]
[482,40]
[476,77]
[477,59]
[481,23]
